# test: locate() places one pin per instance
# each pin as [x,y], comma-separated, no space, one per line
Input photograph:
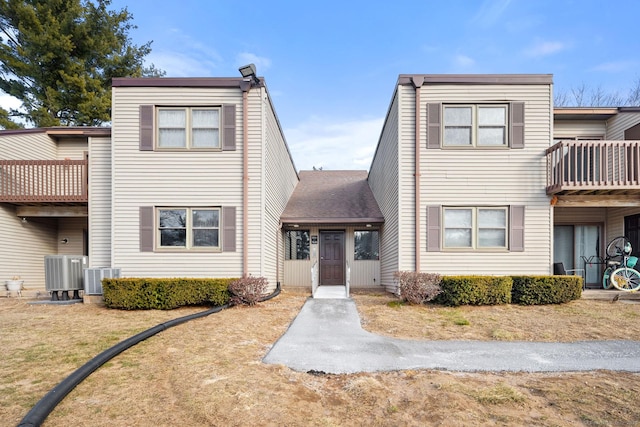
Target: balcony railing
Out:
[588,166]
[43,181]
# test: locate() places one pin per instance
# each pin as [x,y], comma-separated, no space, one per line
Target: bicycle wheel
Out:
[625,279]
[617,246]
[606,278]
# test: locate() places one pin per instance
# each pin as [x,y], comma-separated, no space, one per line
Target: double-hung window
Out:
[189,228]
[475,227]
[188,127]
[366,245]
[482,125]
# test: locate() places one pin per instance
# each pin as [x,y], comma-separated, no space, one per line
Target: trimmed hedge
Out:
[164,294]
[475,290]
[537,290]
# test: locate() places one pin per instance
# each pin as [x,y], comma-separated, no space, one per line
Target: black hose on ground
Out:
[36,416]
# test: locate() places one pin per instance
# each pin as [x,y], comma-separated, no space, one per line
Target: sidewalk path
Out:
[326,336]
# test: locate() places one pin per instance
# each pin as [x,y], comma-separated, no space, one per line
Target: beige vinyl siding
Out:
[72,148]
[174,178]
[280,180]
[24,246]
[72,230]
[364,274]
[27,146]
[256,183]
[383,180]
[99,221]
[406,175]
[575,128]
[570,216]
[297,273]
[619,123]
[615,221]
[490,177]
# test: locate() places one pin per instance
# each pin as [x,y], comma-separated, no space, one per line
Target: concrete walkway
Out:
[327,337]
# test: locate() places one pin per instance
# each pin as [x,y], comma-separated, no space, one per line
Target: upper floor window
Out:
[189,228]
[296,244]
[188,127]
[366,245]
[475,125]
[475,227]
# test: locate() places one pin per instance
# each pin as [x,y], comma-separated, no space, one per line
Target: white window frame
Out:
[189,228]
[188,128]
[475,228]
[475,126]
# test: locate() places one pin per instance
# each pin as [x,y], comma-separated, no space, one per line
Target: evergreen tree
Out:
[58,57]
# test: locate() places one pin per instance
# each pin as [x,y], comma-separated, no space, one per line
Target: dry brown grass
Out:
[209,371]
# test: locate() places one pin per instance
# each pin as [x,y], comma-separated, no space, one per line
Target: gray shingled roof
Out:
[327,197]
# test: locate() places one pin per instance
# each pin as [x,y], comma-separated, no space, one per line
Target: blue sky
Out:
[331,66]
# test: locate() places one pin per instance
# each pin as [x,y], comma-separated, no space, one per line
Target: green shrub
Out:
[475,290]
[536,290]
[165,293]
[248,290]
[417,288]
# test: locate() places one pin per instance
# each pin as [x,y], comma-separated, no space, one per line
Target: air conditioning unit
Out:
[93,278]
[64,272]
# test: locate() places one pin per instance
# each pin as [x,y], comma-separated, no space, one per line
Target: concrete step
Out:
[331,292]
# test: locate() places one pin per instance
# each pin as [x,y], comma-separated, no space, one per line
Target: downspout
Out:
[417,82]
[245,86]
[278,234]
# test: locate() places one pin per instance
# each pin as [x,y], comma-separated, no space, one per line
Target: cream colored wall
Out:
[495,177]
[576,128]
[364,274]
[27,146]
[71,229]
[280,179]
[174,178]
[615,221]
[24,246]
[384,181]
[99,221]
[72,148]
[579,215]
[406,177]
[619,123]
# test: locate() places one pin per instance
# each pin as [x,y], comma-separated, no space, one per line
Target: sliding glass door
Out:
[575,243]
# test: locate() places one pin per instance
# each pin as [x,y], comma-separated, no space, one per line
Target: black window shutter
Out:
[146,128]
[517,125]
[146,229]
[434,229]
[516,229]
[434,122]
[229,127]
[229,229]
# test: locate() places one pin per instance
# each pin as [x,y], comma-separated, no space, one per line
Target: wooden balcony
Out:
[43,181]
[593,168]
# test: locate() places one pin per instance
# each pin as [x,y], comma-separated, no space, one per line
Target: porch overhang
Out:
[53,211]
[288,222]
[602,201]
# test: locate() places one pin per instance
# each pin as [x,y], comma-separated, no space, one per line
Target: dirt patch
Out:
[209,371]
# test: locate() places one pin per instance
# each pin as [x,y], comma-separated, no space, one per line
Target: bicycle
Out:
[621,273]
